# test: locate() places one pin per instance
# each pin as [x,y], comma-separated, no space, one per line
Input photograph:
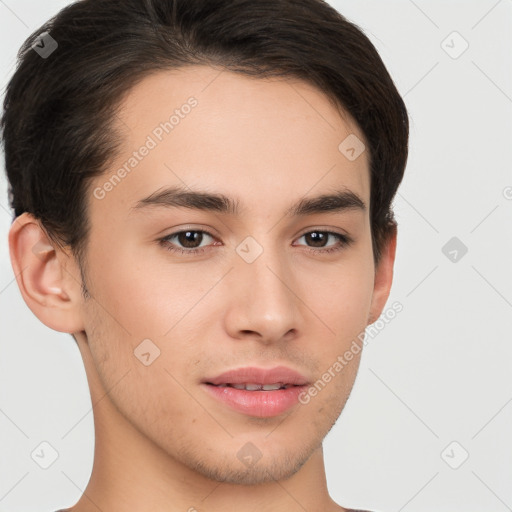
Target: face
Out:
[182,292]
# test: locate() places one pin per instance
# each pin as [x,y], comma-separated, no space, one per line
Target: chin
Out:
[278,467]
[257,475]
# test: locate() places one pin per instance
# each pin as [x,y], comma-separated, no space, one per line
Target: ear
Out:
[48,277]
[383,277]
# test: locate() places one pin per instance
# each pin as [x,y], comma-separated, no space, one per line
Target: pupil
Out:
[317,237]
[188,238]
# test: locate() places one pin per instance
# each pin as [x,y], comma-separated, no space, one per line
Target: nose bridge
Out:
[265,299]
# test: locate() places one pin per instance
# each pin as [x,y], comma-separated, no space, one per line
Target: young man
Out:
[202,194]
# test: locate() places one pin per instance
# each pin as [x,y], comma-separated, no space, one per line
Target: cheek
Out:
[341,295]
[341,300]
[144,379]
[146,296]
[349,311]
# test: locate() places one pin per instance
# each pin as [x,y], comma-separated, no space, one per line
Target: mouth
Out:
[255,387]
[256,391]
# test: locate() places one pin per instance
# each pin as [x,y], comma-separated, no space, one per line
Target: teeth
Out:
[251,387]
[271,387]
[257,387]
[240,386]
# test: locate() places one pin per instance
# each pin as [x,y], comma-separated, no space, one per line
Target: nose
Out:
[264,302]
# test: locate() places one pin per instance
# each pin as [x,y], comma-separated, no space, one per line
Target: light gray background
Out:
[438,373]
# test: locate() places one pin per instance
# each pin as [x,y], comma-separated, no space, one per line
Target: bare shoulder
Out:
[339,508]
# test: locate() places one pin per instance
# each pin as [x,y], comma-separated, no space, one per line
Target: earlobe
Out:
[383,278]
[47,286]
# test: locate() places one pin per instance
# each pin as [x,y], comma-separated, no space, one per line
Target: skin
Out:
[162,443]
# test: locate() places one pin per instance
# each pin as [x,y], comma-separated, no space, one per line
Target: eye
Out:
[191,239]
[319,239]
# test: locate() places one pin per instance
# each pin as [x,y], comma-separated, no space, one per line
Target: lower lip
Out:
[262,404]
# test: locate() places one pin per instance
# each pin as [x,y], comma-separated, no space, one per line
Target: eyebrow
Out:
[177,197]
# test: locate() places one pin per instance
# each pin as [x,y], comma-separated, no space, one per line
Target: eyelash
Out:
[343,242]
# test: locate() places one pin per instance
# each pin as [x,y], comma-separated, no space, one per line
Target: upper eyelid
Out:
[212,231]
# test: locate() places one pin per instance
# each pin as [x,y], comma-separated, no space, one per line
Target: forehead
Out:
[265,141]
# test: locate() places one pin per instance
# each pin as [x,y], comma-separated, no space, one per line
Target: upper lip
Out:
[254,375]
